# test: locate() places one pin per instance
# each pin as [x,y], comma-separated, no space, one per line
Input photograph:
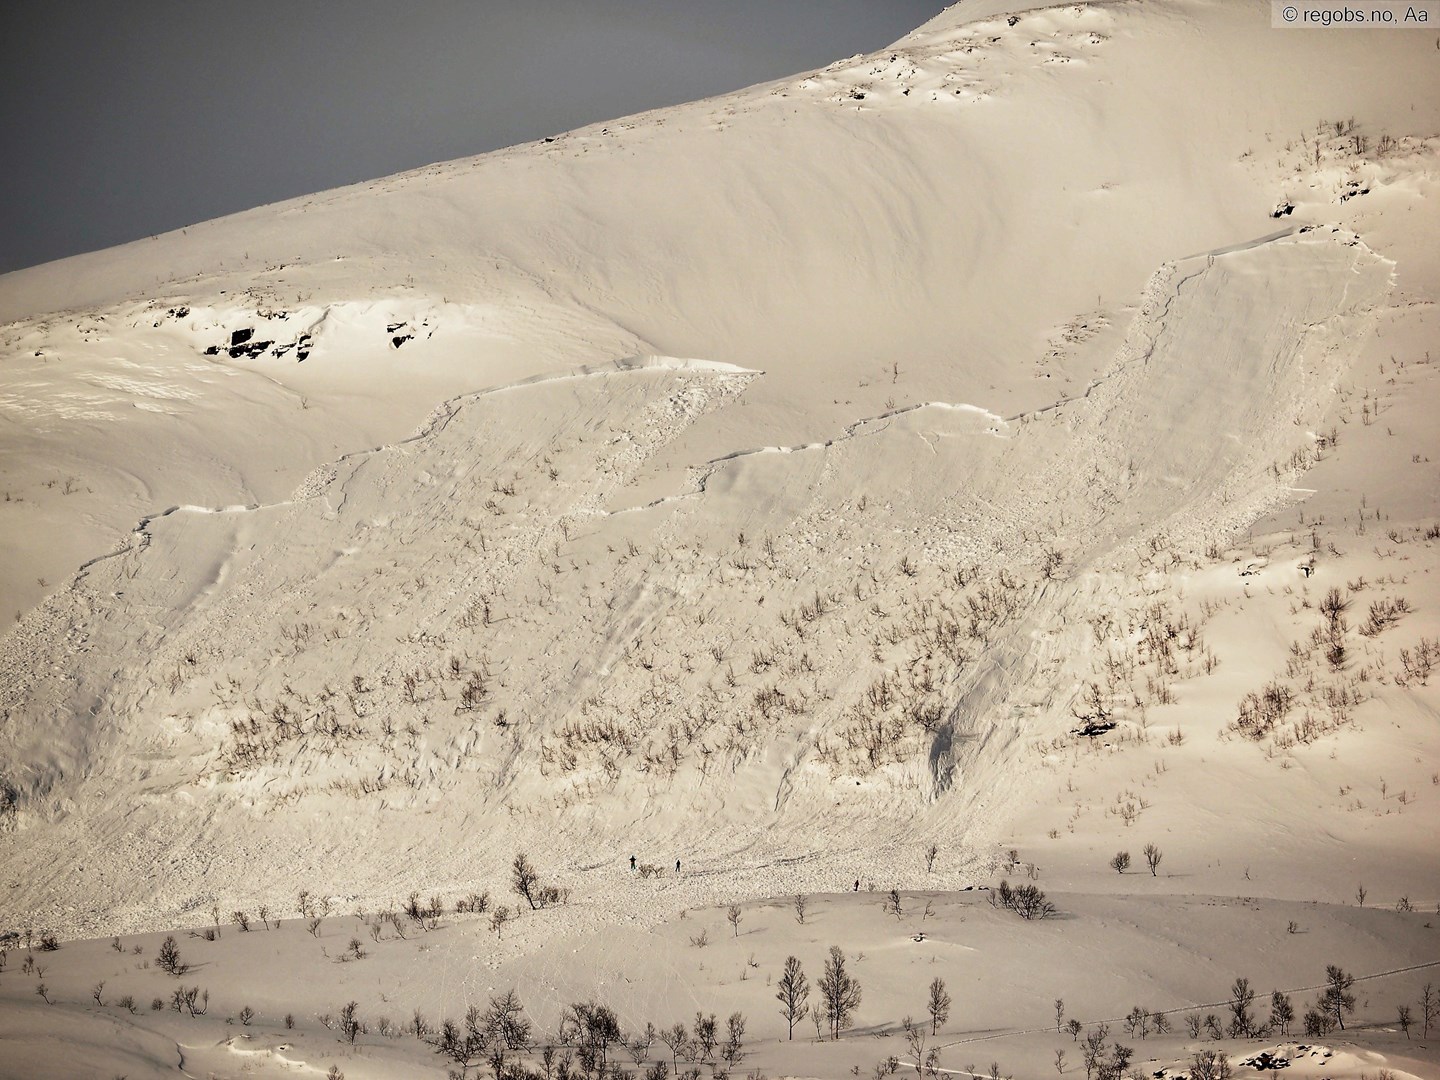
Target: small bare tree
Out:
[464,1045]
[1332,607]
[1282,1012]
[793,993]
[1121,862]
[1337,1000]
[732,916]
[1153,856]
[1210,1065]
[1027,901]
[677,1040]
[1093,1048]
[639,1045]
[525,879]
[191,999]
[350,1025]
[930,853]
[506,1022]
[498,918]
[1242,1024]
[892,903]
[800,905]
[938,1005]
[706,1034]
[840,992]
[732,1051]
[168,958]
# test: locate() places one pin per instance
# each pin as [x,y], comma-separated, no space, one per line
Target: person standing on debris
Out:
[632,862]
[677,866]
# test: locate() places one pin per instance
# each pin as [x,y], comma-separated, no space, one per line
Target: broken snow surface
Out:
[959,464]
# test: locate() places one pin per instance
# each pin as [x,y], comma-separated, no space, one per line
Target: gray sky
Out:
[122,119]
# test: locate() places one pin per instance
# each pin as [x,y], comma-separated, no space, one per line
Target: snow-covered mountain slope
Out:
[1005,348]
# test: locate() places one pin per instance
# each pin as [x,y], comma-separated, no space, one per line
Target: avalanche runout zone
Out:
[475,622]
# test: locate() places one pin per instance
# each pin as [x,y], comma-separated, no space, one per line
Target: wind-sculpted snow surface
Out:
[478,624]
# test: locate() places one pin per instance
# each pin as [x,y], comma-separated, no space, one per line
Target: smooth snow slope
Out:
[996,345]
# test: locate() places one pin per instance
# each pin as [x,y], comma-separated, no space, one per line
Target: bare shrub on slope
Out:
[525,880]
[1259,712]
[1027,901]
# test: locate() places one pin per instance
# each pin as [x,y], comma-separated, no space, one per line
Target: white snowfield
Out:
[955,446]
